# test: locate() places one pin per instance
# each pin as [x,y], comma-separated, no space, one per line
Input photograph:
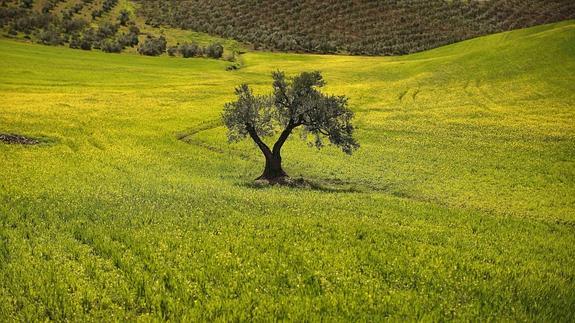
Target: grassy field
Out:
[459,205]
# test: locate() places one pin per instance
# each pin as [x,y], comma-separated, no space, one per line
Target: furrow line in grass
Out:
[203,126]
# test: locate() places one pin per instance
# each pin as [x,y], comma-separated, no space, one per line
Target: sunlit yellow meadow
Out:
[460,203]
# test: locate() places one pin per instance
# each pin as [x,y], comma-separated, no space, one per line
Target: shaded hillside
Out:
[109,25]
[386,27]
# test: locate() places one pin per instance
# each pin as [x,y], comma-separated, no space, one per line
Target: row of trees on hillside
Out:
[385,27]
[188,50]
[66,27]
[63,27]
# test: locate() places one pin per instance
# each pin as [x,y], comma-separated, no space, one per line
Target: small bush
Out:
[72,26]
[107,30]
[129,40]
[97,14]
[27,4]
[108,5]
[153,46]
[173,50]
[86,44]
[215,50]
[124,17]
[76,42]
[12,32]
[111,46]
[50,37]
[190,50]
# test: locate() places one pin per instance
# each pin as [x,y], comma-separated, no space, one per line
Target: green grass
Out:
[459,205]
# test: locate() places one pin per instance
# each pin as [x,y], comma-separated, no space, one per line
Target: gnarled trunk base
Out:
[273,172]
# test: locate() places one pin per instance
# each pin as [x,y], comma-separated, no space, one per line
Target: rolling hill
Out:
[109,25]
[364,27]
[459,205]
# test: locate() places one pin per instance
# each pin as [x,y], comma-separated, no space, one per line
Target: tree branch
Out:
[323,132]
[262,145]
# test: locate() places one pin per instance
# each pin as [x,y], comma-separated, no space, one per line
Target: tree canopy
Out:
[293,103]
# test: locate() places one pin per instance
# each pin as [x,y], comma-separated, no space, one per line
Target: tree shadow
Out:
[326,185]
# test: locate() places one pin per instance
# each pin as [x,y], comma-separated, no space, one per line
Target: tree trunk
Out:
[273,171]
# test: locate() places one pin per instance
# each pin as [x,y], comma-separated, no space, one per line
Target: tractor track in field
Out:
[203,126]
[187,136]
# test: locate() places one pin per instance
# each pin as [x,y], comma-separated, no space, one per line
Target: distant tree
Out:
[50,36]
[190,50]
[27,4]
[70,26]
[129,39]
[97,14]
[48,6]
[153,46]
[124,17]
[75,42]
[108,5]
[86,44]
[173,50]
[106,30]
[77,7]
[293,103]
[111,46]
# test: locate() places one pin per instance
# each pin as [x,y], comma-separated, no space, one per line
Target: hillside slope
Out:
[386,27]
[109,25]
[460,205]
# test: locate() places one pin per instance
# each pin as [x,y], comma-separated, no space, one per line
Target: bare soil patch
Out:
[17,139]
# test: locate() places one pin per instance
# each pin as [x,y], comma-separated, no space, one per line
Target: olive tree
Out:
[296,102]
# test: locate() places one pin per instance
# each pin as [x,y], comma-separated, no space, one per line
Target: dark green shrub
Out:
[97,14]
[50,36]
[129,40]
[124,17]
[76,42]
[73,26]
[153,46]
[111,46]
[214,50]
[89,39]
[190,50]
[86,44]
[26,4]
[108,5]
[107,30]
[173,50]
[12,32]
[34,21]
